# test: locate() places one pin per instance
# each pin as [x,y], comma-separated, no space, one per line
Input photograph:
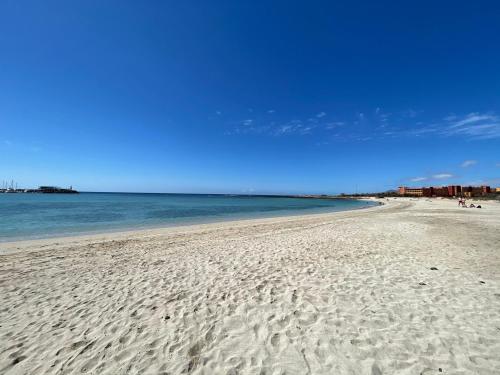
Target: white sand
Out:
[344,293]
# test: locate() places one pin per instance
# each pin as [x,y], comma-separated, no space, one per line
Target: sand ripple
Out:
[351,293]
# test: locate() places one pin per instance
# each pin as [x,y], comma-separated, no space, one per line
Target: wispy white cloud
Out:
[442,176]
[468,163]
[473,125]
[439,176]
[376,125]
[417,179]
[294,127]
[246,126]
[472,118]
[334,124]
[385,116]
[251,126]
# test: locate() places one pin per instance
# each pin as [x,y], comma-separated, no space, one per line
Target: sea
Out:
[33,216]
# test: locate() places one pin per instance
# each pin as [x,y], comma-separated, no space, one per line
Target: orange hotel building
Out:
[444,191]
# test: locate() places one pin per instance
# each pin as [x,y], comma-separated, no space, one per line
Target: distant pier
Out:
[12,188]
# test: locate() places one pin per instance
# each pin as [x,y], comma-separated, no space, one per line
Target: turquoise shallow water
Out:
[27,216]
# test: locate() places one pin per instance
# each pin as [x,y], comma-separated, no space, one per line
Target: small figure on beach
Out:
[472,205]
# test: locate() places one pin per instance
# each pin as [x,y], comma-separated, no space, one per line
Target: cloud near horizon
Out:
[439,176]
[442,176]
[468,163]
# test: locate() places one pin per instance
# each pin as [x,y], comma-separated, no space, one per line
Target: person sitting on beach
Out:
[472,205]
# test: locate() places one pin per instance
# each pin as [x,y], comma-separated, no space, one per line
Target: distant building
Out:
[454,190]
[55,190]
[418,192]
[445,191]
[471,191]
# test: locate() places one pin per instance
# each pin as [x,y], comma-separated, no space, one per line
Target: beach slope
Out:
[411,287]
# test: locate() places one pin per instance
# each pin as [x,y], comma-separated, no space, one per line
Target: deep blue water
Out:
[26,216]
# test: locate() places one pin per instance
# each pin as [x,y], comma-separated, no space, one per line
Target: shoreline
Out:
[410,287]
[15,245]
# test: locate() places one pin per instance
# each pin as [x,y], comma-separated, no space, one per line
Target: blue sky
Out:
[249,96]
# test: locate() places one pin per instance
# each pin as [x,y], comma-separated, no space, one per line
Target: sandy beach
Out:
[410,287]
